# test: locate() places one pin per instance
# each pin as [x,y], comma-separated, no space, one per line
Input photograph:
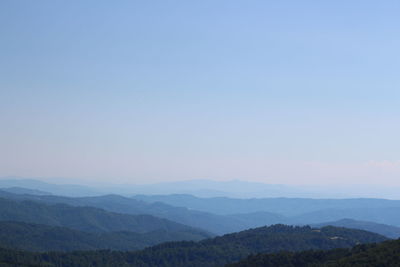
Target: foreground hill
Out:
[373,255]
[88,219]
[382,229]
[38,237]
[211,252]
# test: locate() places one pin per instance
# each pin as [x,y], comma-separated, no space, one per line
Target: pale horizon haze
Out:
[279,92]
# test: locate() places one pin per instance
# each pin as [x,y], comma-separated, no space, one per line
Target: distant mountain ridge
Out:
[222,224]
[56,189]
[284,206]
[211,222]
[25,191]
[383,215]
[207,188]
[295,211]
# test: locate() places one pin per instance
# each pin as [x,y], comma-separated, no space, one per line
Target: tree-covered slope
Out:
[87,219]
[38,237]
[382,229]
[211,252]
[385,254]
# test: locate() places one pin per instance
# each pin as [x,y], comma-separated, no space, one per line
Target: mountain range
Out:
[180,229]
[379,211]
[205,188]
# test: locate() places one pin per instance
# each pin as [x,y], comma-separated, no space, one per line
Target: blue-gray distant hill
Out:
[56,189]
[289,210]
[384,215]
[284,206]
[89,219]
[25,191]
[217,224]
[247,189]
[250,212]
[205,188]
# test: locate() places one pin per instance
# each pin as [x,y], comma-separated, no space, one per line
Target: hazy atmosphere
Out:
[279,92]
[209,133]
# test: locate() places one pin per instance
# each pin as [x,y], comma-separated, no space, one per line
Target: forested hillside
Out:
[382,229]
[87,219]
[38,237]
[385,254]
[211,252]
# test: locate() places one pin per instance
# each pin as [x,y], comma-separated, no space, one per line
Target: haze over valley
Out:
[199,133]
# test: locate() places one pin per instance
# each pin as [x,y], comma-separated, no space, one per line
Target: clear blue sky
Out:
[292,92]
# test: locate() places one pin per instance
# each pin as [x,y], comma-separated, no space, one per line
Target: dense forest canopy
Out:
[210,252]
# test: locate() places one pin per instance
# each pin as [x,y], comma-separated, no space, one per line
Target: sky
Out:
[281,92]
